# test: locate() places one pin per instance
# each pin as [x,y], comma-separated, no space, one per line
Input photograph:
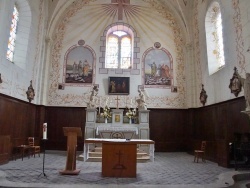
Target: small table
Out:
[23,149]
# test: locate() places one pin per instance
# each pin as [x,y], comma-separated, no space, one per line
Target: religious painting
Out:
[79,68]
[158,68]
[118,86]
[117,118]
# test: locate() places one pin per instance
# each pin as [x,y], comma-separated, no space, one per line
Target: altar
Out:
[119,155]
[116,132]
[117,128]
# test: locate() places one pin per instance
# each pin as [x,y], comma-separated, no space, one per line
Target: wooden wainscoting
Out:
[4,149]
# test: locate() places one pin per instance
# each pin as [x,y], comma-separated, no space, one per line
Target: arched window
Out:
[17,48]
[214,38]
[119,48]
[12,37]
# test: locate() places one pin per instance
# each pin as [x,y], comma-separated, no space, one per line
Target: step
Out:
[99,159]
[141,154]
[98,149]
[94,159]
[95,154]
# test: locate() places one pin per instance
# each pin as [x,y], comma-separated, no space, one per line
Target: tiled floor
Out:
[173,170]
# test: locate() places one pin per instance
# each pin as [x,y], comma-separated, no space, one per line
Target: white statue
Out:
[92,97]
[245,82]
[142,99]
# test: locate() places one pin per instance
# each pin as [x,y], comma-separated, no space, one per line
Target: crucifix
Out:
[117,102]
[119,165]
[120,6]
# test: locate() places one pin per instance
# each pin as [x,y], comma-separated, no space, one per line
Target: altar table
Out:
[116,129]
[118,155]
[103,140]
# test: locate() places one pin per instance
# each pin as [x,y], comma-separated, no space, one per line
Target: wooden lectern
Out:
[71,133]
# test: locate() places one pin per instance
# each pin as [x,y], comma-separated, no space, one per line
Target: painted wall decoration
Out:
[79,65]
[158,68]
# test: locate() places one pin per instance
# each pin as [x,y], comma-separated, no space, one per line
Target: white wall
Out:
[236,42]
[45,60]
[88,22]
[16,79]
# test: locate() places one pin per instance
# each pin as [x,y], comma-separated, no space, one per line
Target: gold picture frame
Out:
[117,118]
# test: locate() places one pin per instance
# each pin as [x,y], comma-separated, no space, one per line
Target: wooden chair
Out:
[35,149]
[200,153]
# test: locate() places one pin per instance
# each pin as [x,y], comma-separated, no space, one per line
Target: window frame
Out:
[214,38]
[119,51]
[13,44]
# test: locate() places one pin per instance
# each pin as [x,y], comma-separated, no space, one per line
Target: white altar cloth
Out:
[116,129]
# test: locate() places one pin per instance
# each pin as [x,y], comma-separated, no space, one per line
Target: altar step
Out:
[96,155]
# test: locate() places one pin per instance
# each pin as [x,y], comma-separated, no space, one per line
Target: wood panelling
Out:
[17,118]
[217,124]
[59,117]
[4,149]
[171,129]
[167,129]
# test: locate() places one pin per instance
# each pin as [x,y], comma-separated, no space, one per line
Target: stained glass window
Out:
[125,53]
[118,51]
[112,52]
[12,38]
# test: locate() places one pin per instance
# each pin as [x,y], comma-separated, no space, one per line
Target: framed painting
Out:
[118,85]
[158,67]
[79,65]
[117,118]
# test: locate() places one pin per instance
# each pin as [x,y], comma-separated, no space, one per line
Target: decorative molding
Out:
[197,45]
[241,61]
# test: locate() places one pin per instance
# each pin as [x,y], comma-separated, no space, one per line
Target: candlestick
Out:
[99,104]
[45,131]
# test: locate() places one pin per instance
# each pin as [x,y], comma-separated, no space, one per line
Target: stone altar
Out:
[117,129]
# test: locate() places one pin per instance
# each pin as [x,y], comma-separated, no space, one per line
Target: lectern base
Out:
[70,172]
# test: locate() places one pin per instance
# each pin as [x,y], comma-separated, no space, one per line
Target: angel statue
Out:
[142,99]
[92,97]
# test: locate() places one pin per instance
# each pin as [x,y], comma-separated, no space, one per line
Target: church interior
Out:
[165,75]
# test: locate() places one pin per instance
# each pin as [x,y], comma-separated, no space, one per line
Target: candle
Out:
[45,131]
[99,104]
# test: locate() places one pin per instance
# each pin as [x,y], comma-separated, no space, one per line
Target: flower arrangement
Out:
[106,112]
[131,113]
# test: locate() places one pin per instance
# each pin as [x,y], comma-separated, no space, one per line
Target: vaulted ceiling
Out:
[181,9]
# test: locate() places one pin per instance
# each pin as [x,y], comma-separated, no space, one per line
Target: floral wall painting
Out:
[79,65]
[157,68]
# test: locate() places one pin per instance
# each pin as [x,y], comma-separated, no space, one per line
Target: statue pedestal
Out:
[143,116]
[91,115]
